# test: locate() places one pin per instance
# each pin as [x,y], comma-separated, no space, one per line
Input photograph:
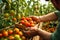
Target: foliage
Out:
[21,8]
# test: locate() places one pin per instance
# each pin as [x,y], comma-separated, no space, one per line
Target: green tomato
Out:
[12,12]
[17,37]
[6,15]
[18,16]
[9,1]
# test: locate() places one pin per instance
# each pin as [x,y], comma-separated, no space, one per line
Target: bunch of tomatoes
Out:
[27,21]
[12,34]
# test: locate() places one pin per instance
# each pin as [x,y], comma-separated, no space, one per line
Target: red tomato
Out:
[27,18]
[22,22]
[10,31]
[27,24]
[0,35]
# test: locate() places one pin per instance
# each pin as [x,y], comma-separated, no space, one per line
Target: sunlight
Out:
[44,2]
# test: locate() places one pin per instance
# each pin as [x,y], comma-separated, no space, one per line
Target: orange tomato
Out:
[23,18]
[11,38]
[5,33]
[0,35]
[10,31]
[20,33]
[32,25]
[16,30]
[23,38]
[14,19]
[30,19]
[31,22]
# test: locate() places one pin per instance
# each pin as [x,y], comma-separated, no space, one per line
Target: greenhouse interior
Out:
[16,19]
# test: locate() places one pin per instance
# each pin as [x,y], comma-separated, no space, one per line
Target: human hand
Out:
[31,32]
[35,18]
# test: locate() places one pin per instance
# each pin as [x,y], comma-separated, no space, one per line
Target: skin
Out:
[49,17]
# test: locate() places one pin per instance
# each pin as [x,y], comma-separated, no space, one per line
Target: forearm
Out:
[44,34]
[48,17]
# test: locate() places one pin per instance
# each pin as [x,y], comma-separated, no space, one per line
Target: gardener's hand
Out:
[31,32]
[36,18]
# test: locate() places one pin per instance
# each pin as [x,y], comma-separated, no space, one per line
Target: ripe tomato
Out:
[0,35]
[32,25]
[5,33]
[20,33]
[10,31]
[27,18]
[30,19]
[27,24]
[11,38]
[23,18]
[31,22]
[22,21]
[16,30]
[14,19]
[23,38]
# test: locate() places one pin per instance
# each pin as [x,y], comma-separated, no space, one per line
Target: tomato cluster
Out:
[10,34]
[48,28]
[28,22]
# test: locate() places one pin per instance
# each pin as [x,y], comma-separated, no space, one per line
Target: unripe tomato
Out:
[12,12]
[18,16]
[9,1]
[6,15]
